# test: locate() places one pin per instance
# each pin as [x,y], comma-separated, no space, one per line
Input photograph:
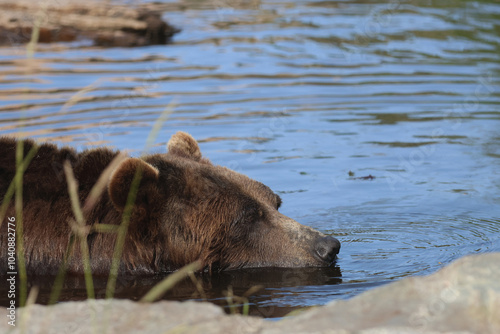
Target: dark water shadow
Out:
[274,290]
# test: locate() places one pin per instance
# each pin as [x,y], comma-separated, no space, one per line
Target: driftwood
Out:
[106,23]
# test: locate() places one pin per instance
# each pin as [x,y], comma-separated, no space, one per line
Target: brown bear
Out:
[186,209]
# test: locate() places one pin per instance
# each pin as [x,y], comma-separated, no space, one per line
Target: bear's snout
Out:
[327,248]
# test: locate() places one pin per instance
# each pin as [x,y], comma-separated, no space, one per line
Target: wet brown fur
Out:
[186,209]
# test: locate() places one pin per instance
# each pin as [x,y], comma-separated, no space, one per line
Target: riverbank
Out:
[463,297]
[105,23]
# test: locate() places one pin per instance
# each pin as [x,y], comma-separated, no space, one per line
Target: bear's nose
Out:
[327,248]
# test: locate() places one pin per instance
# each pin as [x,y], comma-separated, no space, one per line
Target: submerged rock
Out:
[105,23]
[463,297]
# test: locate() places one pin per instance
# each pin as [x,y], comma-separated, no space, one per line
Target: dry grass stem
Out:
[21,264]
[12,187]
[153,134]
[58,283]
[102,183]
[198,285]
[82,232]
[171,280]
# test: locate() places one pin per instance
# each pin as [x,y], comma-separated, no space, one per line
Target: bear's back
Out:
[44,178]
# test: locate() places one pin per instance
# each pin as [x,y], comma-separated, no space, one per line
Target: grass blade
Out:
[153,134]
[129,206]
[159,289]
[122,233]
[102,183]
[21,265]
[105,228]
[82,231]
[58,283]
[12,187]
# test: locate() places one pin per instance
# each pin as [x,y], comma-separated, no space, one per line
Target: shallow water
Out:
[311,98]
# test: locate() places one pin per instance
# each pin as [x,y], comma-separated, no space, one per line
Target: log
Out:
[106,23]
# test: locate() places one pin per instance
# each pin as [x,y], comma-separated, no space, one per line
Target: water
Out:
[311,98]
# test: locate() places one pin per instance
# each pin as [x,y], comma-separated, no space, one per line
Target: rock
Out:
[463,297]
[106,23]
[124,316]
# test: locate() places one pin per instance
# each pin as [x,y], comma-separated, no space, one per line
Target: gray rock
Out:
[124,316]
[463,297]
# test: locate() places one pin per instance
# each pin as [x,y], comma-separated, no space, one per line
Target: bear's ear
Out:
[121,180]
[184,145]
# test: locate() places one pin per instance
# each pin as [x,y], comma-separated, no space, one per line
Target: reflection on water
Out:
[273,290]
[309,97]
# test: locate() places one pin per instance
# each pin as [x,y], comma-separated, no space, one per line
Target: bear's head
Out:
[188,209]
